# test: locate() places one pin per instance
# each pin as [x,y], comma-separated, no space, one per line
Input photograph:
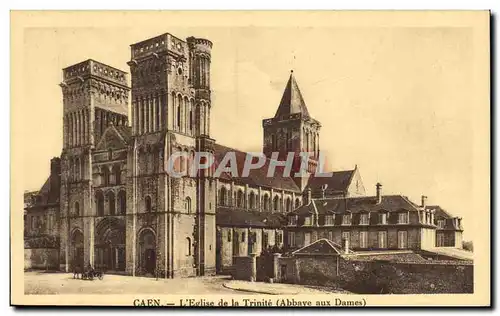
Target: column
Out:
[74,128]
[134,128]
[65,131]
[161,105]
[151,115]
[155,113]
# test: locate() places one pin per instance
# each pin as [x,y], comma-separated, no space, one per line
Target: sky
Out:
[396,102]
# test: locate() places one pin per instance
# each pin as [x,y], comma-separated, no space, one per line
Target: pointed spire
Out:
[292,101]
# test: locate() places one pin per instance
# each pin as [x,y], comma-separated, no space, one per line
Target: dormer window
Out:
[307,221]
[330,220]
[441,223]
[364,219]
[403,218]
[382,218]
[292,220]
[346,219]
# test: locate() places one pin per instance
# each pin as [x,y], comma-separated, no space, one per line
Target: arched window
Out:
[100,203]
[297,202]
[266,202]
[148,204]
[105,176]
[77,209]
[288,204]
[122,201]
[111,203]
[251,200]
[188,246]
[188,205]
[179,104]
[239,199]
[276,203]
[273,142]
[117,173]
[222,196]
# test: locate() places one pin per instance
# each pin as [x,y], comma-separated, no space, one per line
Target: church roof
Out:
[46,195]
[292,101]
[338,182]
[256,177]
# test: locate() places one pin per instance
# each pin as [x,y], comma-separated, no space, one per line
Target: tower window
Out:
[148,204]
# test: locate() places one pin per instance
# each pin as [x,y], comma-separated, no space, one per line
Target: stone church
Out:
[109,201]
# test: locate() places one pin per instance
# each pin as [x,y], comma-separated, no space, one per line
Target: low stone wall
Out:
[41,258]
[378,277]
[244,268]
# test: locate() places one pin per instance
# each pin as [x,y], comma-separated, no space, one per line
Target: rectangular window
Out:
[329,220]
[307,238]
[363,239]
[346,219]
[363,220]
[265,240]
[291,239]
[382,218]
[403,218]
[307,221]
[279,238]
[441,223]
[382,240]
[330,235]
[402,239]
[346,236]
[292,220]
[440,240]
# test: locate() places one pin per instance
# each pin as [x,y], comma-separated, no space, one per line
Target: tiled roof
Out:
[439,211]
[47,195]
[256,177]
[125,132]
[338,182]
[292,101]
[320,247]
[114,107]
[243,218]
[356,205]
[114,137]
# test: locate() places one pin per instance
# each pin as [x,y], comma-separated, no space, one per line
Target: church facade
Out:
[113,205]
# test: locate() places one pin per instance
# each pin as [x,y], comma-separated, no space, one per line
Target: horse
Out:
[77,271]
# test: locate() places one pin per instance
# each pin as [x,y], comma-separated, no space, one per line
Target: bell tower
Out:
[292,129]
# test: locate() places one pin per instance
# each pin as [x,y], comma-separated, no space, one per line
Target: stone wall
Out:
[378,277]
[41,258]
[244,268]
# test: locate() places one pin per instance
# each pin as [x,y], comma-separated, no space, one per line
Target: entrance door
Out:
[150,261]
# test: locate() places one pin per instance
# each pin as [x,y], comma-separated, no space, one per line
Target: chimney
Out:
[309,196]
[424,201]
[379,193]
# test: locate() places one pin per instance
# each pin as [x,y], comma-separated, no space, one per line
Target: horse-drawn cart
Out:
[88,275]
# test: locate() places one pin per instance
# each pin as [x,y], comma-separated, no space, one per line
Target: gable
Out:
[356,187]
[111,139]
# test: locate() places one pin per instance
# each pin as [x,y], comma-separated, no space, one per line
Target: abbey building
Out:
[110,203]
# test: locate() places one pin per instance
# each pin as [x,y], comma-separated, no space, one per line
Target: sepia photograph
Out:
[250,159]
